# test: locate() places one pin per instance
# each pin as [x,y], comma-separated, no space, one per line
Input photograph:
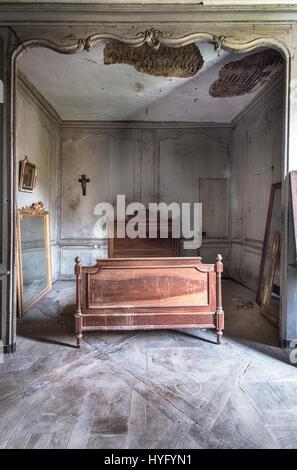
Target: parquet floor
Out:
[161,389]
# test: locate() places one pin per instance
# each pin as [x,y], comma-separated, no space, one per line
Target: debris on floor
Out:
[245,305]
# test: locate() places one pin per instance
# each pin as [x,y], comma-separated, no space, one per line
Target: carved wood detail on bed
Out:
[148,293]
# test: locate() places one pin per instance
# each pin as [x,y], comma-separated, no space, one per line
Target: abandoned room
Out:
[146,343]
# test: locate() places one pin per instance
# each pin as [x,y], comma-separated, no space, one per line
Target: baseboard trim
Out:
[242,284]
[9,348]
[289,343]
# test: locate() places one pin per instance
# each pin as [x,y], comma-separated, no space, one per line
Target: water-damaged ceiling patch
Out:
[247,75]
[181,62]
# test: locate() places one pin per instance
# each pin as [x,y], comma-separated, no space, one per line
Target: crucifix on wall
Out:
[84,180]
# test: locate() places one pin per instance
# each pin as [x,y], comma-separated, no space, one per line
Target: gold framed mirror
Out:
[34,255]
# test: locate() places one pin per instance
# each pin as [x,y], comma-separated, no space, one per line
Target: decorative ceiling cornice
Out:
[153,38]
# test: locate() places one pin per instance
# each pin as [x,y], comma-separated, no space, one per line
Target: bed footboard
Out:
[148,294]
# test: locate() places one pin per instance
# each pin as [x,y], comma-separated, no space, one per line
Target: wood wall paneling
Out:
[147,164]
[215,207]
[256,155]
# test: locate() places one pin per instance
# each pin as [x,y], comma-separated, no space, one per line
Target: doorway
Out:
[156,122]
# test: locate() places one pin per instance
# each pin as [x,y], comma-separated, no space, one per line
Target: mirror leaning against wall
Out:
[34,255]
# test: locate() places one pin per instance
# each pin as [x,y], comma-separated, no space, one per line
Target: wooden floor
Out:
[147,389]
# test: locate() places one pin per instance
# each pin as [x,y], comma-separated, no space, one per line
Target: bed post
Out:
[77,316]
[219,310]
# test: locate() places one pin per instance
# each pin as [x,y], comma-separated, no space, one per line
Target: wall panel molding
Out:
[255,165]
[36,118]
[134,161]
[143,125]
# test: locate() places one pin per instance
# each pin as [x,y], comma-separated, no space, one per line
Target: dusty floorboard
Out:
[166,389]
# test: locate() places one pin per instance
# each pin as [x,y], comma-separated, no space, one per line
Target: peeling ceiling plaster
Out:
[248,74]
[175,62]
[81,87]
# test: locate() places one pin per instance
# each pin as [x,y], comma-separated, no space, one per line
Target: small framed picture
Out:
[28,172]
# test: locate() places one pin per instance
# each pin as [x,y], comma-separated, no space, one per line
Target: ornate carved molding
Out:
[151,37]
[154,38]
[218,41]
[37,208]
[78,46]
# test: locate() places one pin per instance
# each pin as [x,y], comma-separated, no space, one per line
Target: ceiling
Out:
[81,87]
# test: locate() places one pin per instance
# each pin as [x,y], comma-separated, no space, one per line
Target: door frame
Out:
[153,38]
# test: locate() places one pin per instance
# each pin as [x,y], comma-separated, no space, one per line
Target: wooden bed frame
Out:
[148,294]
[143,247]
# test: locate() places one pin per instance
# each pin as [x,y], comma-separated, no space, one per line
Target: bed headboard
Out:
[142,247]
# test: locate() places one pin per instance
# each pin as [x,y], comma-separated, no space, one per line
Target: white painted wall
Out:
[38,138]
[153,162]
[256,163]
